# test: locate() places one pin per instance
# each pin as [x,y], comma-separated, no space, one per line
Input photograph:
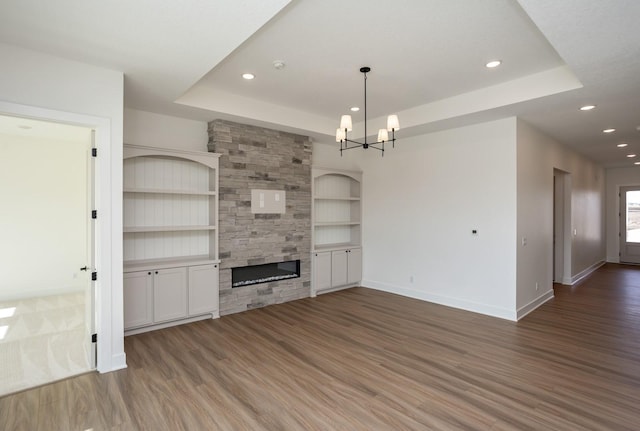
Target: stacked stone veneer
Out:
[257,158]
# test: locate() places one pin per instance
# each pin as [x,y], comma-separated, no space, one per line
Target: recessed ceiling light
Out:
[278,64]
[631,156]
[248,75]
[493,63]
[608,130]
[636,163]
[25,127]
[622,144]
[587,107]
[355,109]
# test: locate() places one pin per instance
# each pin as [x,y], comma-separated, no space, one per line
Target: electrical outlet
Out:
[411,279]
[537,285]
[524,240]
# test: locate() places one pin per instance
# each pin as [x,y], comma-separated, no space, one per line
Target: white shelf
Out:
[336,198]
[150,264]
[337,223]
[336,246]
[133,229]
[170,191]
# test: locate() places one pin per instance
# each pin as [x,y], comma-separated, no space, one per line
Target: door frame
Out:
[103,224]
[622,221]
[561,248]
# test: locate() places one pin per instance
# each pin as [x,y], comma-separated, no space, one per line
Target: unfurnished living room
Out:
[320,215]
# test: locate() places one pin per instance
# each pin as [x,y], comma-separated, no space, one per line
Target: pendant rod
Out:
[365,108]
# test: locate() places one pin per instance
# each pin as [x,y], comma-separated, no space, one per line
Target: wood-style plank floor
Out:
[366,360]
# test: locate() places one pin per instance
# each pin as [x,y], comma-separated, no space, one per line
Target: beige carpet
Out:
[41,340]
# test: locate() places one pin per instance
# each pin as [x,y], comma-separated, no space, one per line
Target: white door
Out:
[338,268]
[169,294]
[203,289]
[138,299]
[630,224]
[322,271]
[354,272]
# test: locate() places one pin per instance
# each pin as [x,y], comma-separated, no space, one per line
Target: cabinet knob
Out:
[215,266]
[149,272]
[156,272]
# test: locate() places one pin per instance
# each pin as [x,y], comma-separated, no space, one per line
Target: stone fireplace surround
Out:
[258,158]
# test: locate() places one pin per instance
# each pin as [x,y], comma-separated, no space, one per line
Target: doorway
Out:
[630,224]
[561,227]
[47,295]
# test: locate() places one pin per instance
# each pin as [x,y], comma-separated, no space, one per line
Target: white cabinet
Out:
[333,270]
[203,289]
[337,214]
[138,297]
[169,294]
[170,208]
[160,297]
[322,271]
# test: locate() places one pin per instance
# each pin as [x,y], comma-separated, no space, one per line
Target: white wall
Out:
[44,218]
[157,130]
[616,178]
[538,155]
[420,204]
[43,86]
[422,200]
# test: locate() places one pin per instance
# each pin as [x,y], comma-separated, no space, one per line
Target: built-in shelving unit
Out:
[337,214]
[170,233]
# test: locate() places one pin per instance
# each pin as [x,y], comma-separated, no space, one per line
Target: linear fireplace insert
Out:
[265,273]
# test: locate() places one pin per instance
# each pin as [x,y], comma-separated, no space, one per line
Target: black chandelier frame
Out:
[378,145]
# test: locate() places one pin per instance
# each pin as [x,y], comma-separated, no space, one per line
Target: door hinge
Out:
[94,152]
[94,338]
[94,276]
[94,214]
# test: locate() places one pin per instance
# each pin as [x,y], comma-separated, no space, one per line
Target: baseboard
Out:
[523,311]
[118,362]
[587,272]
[212,315]
[485,309]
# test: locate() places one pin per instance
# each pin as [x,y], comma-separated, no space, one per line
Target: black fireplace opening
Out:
[265,273]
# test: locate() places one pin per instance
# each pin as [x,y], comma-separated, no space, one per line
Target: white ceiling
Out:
[427,59]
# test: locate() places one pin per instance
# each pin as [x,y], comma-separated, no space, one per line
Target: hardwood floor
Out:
[366,360]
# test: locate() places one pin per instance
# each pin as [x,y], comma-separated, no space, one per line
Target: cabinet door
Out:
[338,268]
[138,299]
[354,270]
[203,289]
[322,271]
[169,294]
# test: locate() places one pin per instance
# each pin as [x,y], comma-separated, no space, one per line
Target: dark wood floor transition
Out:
[366,360]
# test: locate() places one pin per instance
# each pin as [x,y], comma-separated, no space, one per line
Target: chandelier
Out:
[383,134]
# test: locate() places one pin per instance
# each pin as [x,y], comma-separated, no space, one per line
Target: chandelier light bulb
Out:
[393,123]
[340,135]
[383,135]
[345,123]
